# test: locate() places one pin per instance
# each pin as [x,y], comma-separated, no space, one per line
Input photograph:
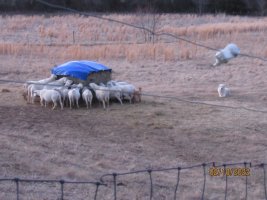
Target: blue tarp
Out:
[79,69]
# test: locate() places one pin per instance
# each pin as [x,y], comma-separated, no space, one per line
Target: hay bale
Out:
[98,77]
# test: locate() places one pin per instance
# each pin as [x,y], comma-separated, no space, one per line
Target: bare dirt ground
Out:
[82,144]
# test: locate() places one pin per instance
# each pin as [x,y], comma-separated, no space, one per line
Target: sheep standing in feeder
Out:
[102,94]
[47,96]
[74,95]
[37,85]
[126,89]
[58,83]
[64,91]
[87,96]
[115,92]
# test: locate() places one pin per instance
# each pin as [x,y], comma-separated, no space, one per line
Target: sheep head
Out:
[93,85]
[53,77]
[80,85]
[68,82]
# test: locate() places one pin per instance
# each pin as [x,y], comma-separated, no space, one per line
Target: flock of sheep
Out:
[64,92]
[68,94]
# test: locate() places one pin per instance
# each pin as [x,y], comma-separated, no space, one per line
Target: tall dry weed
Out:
[13,49]
[209,31]
[169,54]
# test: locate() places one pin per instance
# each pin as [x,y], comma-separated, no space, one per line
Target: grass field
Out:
[82,144]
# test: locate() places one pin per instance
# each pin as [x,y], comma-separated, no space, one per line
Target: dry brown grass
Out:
[210,31]
[131,52]
[33,34]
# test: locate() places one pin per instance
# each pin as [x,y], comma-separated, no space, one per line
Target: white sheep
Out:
[68,83]
[87,96]
[58,83]
[37,85]
[115,92]
[102,93]
[49,85]
[223,91]
[49,96]
[64,91]
[43,81]
[74,95]
[65,96]
[226,54]
[127,89]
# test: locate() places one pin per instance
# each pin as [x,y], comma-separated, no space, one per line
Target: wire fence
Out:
[210,169]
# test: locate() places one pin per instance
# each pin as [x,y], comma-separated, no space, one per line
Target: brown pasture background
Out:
[83,144]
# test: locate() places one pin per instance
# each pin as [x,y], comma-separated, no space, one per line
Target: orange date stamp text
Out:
[225,171]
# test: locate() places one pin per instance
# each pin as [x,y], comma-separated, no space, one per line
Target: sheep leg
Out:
[67,102]
[55,105]
[87,102]
[61,104]
[41,102]
[28,92]
[63,100]
[119,99]
[70,103]
[31,99]
[216,62]
[91,102]
[129,98]
[103,101]
[77,103]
